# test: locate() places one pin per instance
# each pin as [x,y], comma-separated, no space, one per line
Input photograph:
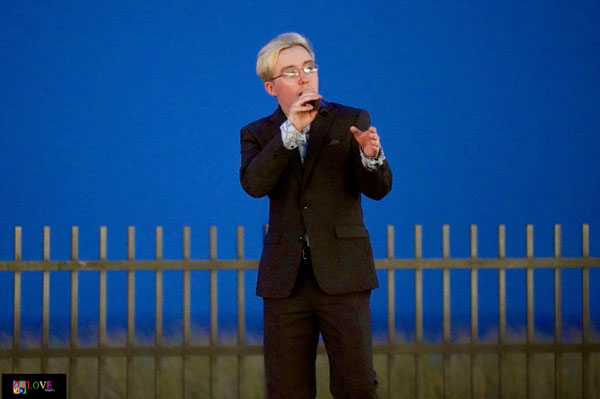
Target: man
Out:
[313,159]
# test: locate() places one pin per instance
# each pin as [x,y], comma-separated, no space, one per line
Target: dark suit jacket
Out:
[321,198]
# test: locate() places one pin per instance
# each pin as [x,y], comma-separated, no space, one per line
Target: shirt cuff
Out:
[291,137]
[374,163]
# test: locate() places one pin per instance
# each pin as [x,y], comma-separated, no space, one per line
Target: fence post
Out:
[446,305]
[530,308]
[418,312]
[391,297]
[585,316]
[557,313]
[186,303]
[130,309]
[74,303]
[501,308]
[46,298]
[214,329]
[101,310]
[241,303]
[474,307]
[18,256]
[158,310]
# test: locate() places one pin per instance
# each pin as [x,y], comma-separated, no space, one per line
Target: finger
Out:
[373,133]
[301,107]
[309,90]
[355,131]
[309,95]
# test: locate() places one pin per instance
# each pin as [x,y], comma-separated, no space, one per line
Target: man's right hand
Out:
[301,113]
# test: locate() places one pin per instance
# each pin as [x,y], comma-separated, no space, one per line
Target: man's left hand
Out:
[368,140]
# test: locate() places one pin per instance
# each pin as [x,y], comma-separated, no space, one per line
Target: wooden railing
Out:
[392,349]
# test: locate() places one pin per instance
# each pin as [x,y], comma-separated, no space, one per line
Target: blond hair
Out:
[268,55]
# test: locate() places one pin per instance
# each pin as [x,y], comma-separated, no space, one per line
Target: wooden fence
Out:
[391,350]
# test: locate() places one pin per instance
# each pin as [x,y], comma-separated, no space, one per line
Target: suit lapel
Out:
[297,166]
[277,118]
[319,131]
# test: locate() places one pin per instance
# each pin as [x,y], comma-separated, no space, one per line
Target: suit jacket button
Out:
[305,206]
[300,238]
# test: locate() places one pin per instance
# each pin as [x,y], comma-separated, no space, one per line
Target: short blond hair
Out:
[268,55]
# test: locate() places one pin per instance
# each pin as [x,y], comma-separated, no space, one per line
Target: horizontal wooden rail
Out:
[218,264]
[246,350]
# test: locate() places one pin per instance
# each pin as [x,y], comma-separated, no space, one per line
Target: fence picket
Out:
[74,338]
[158,329]
[557,313]
[474,306]
[530,309]
[391,302]
[186,307]
[102,251]
[501,308]
[418,312]
[214,319]
[18,253]
[130,310]
[585,313]
[45,299]
[446,307]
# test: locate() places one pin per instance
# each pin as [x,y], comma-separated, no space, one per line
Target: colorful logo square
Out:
[19,387]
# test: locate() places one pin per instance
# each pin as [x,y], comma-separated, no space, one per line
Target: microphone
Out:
[320,106]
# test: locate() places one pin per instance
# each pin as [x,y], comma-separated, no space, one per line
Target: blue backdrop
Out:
[128,113]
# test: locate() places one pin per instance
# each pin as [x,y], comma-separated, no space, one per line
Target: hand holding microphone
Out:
[320,106]
[305,109]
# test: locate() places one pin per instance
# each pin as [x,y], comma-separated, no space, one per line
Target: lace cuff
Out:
[291,137]
[374,163]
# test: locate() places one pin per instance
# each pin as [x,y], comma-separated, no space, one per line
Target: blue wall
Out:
[129,114]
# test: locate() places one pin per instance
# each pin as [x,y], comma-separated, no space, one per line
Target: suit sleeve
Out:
[262,163]
[374,184]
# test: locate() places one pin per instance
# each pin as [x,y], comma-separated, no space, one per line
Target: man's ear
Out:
[270,88]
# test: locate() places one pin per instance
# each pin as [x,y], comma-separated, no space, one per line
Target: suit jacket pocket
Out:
[351,232]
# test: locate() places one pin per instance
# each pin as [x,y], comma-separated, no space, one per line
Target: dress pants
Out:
[292,326]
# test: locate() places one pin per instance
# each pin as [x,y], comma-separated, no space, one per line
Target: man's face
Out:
[287,91]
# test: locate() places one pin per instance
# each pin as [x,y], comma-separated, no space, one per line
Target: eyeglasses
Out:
[292,73]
